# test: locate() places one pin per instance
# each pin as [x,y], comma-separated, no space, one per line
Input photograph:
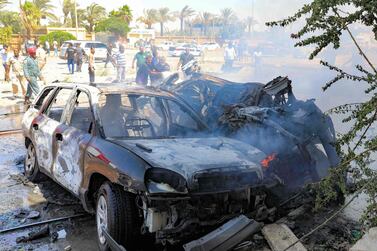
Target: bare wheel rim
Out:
[101,217]
[30,160]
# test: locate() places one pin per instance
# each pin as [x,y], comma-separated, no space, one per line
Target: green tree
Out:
[325,22]
[93,14]
[185,13]
[30,17]
[5,35]
[124,13]
[59,36]
[227,16]
[250,21]
[164,15]
[206,19]
[148,18]
[11,19]
[46,8]
[114,25]
[68,9]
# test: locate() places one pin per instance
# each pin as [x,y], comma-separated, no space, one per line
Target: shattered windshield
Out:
[143,116]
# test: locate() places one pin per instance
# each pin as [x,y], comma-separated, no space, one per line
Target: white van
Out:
[101,48]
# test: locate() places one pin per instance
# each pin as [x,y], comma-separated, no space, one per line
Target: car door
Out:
[45,124]
[71,141]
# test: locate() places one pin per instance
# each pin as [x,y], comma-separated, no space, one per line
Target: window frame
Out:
[71,107]
[47,108]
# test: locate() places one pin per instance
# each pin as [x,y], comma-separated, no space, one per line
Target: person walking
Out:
[229,57]
[41,57]
[184,59]
[47,47]
[70,56]
[147,72]
[55,46]
[32,73]
[120,62]
[4,57]
[91,67]
[80,53]
[139,57]
[16,64]
[109,54]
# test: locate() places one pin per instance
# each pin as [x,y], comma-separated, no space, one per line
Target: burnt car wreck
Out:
[175,164]
[295,135]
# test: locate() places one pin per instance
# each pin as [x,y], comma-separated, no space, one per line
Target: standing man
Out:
[70,56]
[109,54]
[91,66]
[4,58]
[16,63]
[229,57]
[32,73]
[55,46]
[184,59]
[41,57]
[139,58]
[80,53]
[120,61]
[47,46]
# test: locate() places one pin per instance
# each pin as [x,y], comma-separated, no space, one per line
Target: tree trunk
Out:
[162,29]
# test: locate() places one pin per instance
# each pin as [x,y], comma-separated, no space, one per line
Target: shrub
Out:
[59,36]
[5,35]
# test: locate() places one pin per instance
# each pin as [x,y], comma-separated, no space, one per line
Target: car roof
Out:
[115,88]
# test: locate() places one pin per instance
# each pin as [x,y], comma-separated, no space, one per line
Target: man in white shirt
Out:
[41,57]
[15,63]
[229,57]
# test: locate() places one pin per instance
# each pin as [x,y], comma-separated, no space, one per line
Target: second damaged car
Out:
[142,161]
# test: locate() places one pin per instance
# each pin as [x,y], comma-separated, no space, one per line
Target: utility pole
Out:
[77,24]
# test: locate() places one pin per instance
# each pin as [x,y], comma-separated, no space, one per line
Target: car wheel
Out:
[31,167]
[116,212]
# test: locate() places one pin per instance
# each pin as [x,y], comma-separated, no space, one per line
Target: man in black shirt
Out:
[70,56]
[185,58]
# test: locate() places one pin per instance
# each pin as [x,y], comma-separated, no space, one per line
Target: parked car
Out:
[210,46]
[101,48]
[166,45]
[176,51]
[141,160]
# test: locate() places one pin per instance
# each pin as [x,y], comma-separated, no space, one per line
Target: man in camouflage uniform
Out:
[32,73]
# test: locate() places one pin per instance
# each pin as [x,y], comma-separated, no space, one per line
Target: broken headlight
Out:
[159,180]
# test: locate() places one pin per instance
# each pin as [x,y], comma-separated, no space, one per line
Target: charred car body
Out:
[142,161]
[295,135]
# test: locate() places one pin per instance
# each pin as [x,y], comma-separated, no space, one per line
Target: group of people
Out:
[26,70]
[77,55]
[149,67]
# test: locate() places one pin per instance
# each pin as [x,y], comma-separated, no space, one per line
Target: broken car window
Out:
[81,117]
[56,107]
[143,116]
[42,98]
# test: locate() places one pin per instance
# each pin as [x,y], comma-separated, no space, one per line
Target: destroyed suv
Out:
[142,161]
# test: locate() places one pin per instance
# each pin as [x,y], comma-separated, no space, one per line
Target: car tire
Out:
[31,166]
[116,211]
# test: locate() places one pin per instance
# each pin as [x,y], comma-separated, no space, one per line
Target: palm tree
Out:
[250,21]
[148,18]
[30,16]
[46,8]
[227,15]
[68,8]
[186,12]
[3,3]
[93,14]
[124,12]
[163,15]
[206,19]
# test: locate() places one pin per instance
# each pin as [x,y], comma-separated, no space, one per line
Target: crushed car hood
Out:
[187,156]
